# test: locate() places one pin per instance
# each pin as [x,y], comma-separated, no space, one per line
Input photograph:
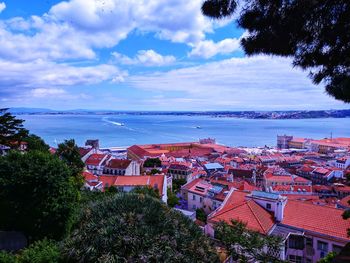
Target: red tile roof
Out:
[249,212]
[324,220]
[95,159]
[154,181]
[89,176]
[118,164]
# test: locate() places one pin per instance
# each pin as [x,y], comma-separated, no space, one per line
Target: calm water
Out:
[164,129]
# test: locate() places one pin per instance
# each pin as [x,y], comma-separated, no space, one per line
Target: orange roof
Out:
[324,220]
[118,164]
[89,176]
[95,159]
[249,212]
[154,181]
[280,178]
[345,201]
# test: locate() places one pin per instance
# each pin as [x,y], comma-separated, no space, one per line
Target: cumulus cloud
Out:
[239,83]
[43,92]
[2,6]
[209,48]
[17,77]
[144,58]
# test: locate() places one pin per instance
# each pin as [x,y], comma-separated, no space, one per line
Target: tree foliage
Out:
[147,190]
[38,195]
[68,152]
[329,258]
[314,33]
[130,227]
[177,183]
[11,129]
[243,244]
[201,215]
[172,198]
[152,162]
[43,251]
[35,143]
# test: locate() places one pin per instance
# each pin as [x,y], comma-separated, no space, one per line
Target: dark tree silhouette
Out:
[11,129]
[316,34]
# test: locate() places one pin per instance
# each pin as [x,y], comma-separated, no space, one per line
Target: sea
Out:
[127,129]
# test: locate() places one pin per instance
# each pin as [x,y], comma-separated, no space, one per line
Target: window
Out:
[336,249]
[297,259]
[268,206]
[194,207]
[323,246]
[201,199]
[309,242]
[193,197]
[296,242]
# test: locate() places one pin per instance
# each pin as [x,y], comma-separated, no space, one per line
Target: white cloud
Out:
[43,92]
[239,83]
[209,48]
[18,77]
[2,6]
[144,58]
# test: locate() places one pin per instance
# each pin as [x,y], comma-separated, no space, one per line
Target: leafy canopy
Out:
[314,33]
[130,227]
[243,244]
[38,194]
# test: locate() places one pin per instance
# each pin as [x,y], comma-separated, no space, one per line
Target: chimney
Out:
[279,210]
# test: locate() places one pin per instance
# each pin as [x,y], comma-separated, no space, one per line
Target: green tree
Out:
[329,258]
[201,215]
[152,162]
[177,183]
[130,227]
[35,143]
[43,251]
[38,195]
[243,244]
[68,152]
[147,190]
[314,33]
[155,171]
[172,198]
[11,129]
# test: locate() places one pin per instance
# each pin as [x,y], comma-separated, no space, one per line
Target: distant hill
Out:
[217,114]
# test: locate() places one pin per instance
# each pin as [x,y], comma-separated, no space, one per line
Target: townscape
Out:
[297,190]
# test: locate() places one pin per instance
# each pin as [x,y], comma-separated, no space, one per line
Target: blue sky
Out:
[139,55]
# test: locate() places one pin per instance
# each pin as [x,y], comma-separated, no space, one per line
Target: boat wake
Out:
[112,122]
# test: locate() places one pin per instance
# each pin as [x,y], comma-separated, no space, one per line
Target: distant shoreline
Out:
[215,114]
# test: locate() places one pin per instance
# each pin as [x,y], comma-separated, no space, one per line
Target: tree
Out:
[68,152]
[201,215]
[152,162]
[329,258]
[314,33]
[38,195]
[177,183]
[130,227]
[172,198]
[147,190]
[11,129]
[155,171]
[35,143]
[43,251]
[243,244]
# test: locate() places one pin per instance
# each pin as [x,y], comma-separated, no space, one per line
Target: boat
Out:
[198,127]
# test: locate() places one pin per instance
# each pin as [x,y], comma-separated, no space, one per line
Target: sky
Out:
[140,55]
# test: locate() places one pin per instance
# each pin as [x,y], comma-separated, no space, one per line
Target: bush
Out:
[130,227]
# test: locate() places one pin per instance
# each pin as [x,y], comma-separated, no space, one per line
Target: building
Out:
[95,162]
[309,232]
[180,171]
[211,168]
[283,141]
[128,183]
[121,167]
[205,194]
